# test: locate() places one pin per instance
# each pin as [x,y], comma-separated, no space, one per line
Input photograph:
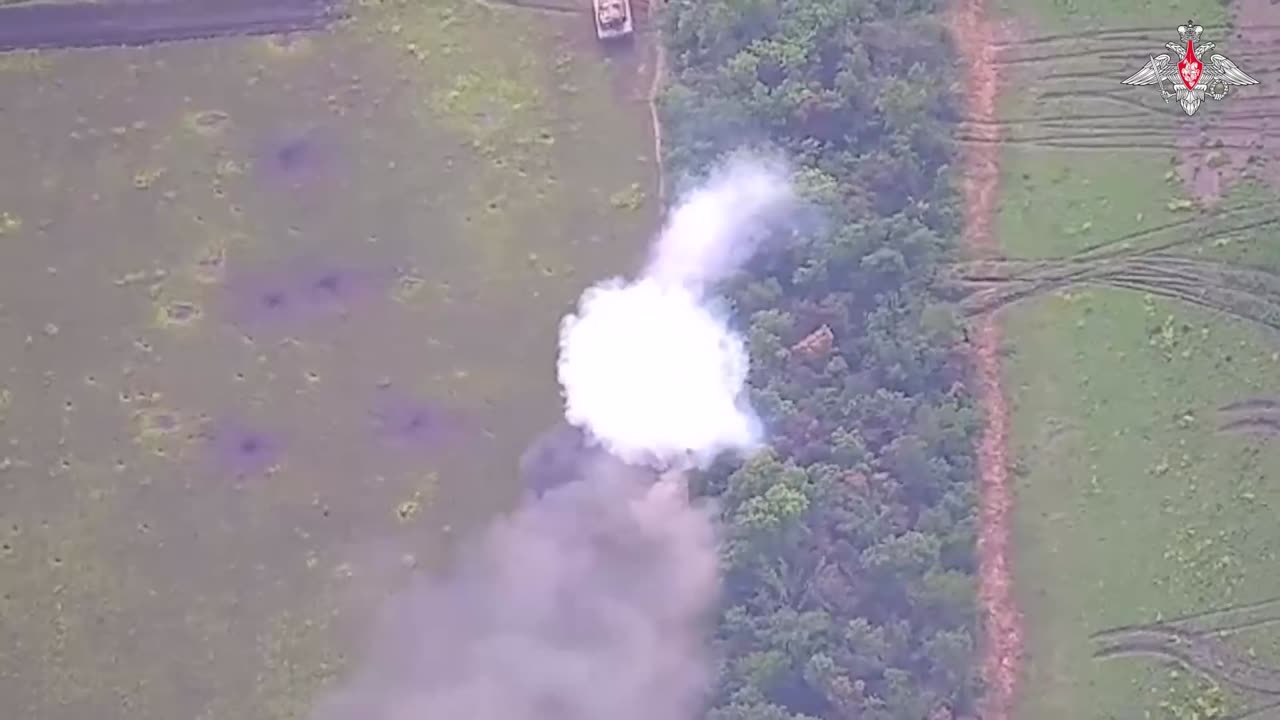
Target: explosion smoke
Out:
[587,604]
[590,601]
[649,368]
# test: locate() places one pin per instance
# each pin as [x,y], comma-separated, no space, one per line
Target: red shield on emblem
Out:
[1190,68]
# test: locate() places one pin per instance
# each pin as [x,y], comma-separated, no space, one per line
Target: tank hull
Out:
[612,18]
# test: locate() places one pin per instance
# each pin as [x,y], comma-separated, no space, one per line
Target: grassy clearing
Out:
[474,151]
[1131,507]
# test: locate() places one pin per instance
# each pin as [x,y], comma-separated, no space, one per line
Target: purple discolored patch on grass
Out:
[330,287]
[240,451]
[416,424]
[285,298]
[263,301]
[296,159]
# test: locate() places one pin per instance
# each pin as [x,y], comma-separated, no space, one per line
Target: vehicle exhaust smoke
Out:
[592,600]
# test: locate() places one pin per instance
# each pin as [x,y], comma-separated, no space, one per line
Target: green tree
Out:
[849,558]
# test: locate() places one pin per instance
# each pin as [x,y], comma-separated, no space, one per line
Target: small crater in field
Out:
[407,510]
[289,45]
[208,122]
[407,287]
[179,312]
[210,264]
[155,422]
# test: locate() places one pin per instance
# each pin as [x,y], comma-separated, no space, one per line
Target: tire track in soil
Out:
[1199,643]
[1080,75]
[1214,620]
[973,36]
[1112,122]
[1084,107]
[655,93]
[1211,157]
[1254,416]
[1243,292]
[991,283]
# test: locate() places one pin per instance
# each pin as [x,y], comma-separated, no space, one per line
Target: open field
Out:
[277,316]
[1141,356]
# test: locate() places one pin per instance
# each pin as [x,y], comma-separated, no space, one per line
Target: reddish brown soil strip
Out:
[93,24]
[975,39]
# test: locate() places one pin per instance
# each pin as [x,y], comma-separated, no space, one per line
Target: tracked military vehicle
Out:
[613,18]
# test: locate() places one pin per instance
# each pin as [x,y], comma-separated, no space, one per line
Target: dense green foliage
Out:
[850,555]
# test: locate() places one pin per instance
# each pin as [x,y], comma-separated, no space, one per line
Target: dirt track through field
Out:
[38,26]
[974,37]
[1074,101]
[1199,643]
[1141,262]
[1082,106]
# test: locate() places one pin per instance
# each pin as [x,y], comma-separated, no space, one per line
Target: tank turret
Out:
[613,18]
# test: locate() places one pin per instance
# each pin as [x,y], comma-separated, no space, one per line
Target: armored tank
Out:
[613,18]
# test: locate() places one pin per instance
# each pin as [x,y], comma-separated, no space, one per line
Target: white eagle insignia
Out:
[1191,78]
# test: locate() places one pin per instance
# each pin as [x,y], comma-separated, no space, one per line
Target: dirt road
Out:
[84,24]
[1002,640]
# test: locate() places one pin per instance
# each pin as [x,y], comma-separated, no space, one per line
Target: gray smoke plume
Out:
[587,604]
[592,600]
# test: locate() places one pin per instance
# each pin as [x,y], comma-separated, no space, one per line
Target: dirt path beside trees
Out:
[974,37]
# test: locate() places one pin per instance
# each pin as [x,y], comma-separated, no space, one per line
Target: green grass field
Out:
[487,159]
[1131,505]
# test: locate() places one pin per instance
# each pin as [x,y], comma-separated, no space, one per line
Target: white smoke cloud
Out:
[649,368]
[719,225]
[592,600]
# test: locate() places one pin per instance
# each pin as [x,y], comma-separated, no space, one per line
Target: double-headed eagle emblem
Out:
[1191,78]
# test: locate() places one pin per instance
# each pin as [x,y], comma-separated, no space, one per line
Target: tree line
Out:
[849,554]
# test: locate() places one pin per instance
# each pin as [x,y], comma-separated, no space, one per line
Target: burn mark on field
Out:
[416,424]
[296,158]
[287,297]
[240,451]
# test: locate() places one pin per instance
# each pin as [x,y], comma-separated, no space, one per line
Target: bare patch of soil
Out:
[1239,138]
